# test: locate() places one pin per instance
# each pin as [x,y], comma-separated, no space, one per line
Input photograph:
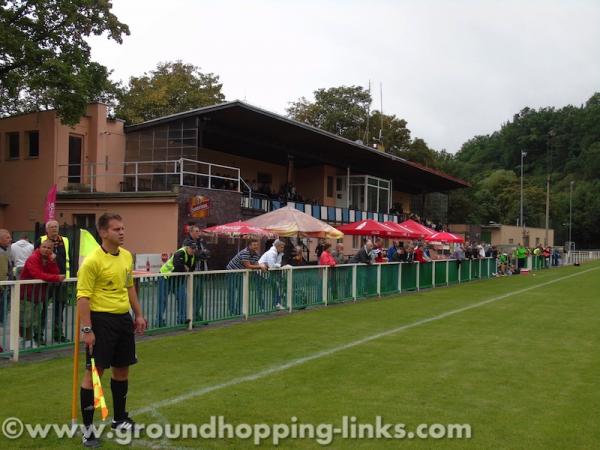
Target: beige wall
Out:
[403,198]
[150,226]
[508,235]
[24,183]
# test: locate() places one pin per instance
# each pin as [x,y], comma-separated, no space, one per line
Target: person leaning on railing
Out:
[41,265]
[363,256]
[272,259]
[326,259]
[246,258]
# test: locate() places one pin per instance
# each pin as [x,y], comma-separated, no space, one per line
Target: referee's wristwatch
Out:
[86,329]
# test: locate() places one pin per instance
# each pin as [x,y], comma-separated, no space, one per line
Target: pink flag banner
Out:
[50,204]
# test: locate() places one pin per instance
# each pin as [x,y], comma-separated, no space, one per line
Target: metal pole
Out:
[523,154]
[547,210]
[570,213]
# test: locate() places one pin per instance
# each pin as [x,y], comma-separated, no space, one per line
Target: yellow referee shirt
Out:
[104,279]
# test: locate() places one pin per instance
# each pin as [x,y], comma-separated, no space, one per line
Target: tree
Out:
[339,110]
[171,88]
[45,61]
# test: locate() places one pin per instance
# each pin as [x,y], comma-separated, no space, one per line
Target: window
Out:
[33,144]
[12,142]
[537,240]
[87,221]
[511,241]
[355,241]
[329,186]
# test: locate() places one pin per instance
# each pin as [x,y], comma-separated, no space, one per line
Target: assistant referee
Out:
[105,295]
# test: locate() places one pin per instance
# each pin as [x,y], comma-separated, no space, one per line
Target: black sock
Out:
[119,393]
[86,398]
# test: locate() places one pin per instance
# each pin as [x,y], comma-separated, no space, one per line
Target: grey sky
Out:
[452,69]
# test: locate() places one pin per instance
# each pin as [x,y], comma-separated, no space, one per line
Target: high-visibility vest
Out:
[67,261]
[169,266]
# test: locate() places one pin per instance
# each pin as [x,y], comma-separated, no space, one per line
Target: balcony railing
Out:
[150,176]
[332,214]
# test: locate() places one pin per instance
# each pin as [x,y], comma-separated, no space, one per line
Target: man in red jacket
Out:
[41,265]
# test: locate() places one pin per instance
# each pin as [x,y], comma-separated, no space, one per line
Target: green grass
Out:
[522,371]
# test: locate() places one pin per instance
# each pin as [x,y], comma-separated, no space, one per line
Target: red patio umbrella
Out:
[404,232]
[417,227]
[445,237]
[370,227]
[235,229]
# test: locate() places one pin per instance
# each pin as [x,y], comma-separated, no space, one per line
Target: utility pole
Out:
[521,223]
[549,170]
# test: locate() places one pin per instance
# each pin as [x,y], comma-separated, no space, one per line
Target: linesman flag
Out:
[99,401]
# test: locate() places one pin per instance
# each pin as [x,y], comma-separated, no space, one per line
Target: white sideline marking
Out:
[296,362]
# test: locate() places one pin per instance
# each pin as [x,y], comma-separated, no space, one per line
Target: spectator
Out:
[363,256]
[41,265]
[458,255]
[202,253]
[502,264]
[6,266]
[400,255]
[379,253]
[298,257]
[182,261]
[419,255]
[247,258]
[392,250]
[272,257]
[338,254]
[319,248]
[546,254]
[410,254]
[480,251]
[59,295]
[326,259]
[21,250]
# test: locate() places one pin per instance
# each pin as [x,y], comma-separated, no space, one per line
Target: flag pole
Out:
[74,409]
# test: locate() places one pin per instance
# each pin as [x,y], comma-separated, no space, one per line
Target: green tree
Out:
[171,88]
[339,110]
[45,60]
[389,131]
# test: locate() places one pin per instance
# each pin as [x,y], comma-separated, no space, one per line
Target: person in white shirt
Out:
[21,250]
[272,259]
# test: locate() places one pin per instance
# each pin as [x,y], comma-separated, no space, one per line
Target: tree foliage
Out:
[171,88]
[45,61]
[564,142]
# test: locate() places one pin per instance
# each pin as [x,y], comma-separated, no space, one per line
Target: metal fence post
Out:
[433,274]
[290,288]
[480,269]
[470,269]
[399,277]
[325,284]
[246,294]
[15,313]
[447,273]
[378,280]
[354,282]
[460,269]
[418,276]
[190,299]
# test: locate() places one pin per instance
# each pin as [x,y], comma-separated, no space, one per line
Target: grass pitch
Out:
[516,358]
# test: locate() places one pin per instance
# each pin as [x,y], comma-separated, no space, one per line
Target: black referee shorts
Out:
[115,340]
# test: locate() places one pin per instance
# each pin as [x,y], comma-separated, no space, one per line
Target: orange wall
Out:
[24,183]
[150,227]
[401,197]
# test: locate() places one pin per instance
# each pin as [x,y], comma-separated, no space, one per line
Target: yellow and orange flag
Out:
[99,401]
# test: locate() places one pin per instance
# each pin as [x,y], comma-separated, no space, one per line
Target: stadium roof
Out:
[245,130]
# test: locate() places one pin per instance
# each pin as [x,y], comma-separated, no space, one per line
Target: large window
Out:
[33,144]
[169,142]
[369,193]
[12,144]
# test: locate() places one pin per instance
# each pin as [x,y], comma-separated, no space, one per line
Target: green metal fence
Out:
[339,284]
[366,280]
[46,312]
[425,275]
[389,278]
[441,270]
[453,271]
[307,287]
[409,276]
[266,291]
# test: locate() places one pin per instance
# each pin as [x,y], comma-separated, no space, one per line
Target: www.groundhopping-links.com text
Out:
[217,428]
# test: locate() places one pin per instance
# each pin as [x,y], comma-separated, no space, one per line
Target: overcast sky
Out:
[451,69]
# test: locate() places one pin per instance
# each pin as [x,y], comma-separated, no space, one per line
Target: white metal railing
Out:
[137,176]
[582,256]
